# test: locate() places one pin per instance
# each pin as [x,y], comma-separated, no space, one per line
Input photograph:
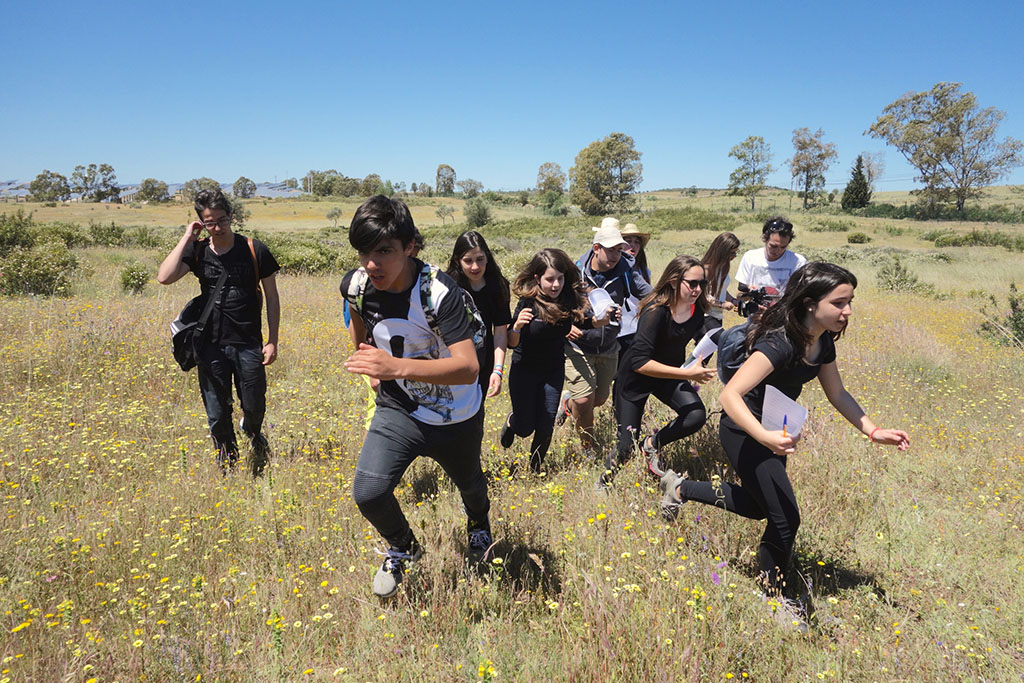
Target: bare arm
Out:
[273,318]
[461,368]
[698,373]
[846,404]
[173,268]
[500,346]
[753,371]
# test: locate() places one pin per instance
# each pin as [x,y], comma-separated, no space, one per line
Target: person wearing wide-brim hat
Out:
[637,242]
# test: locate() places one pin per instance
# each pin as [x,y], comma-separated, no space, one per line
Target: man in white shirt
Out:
[771,265]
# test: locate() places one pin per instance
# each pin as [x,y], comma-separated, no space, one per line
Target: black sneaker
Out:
[507,435]
[385,582]
[259,450]
[227,458]
[480,542]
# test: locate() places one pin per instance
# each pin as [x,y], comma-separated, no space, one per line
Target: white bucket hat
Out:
[608,235]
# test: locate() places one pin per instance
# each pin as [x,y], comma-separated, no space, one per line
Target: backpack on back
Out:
[427,279]
[732,351]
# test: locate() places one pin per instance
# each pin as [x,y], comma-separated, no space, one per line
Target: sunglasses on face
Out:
[694,284]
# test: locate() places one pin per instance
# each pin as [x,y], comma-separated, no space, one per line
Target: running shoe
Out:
[507,435]
[389,576]
[653,457]
[480,541]
[563,409]
[670,500]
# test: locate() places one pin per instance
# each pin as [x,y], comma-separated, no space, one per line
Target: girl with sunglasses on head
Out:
[669,318]
[551,301]
[473,268]
[792,343]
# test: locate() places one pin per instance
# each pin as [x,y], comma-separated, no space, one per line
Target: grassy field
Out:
[128,557]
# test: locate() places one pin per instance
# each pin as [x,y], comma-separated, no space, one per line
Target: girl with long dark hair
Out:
[473,268]
[791,344]
[551,301]
[668,318]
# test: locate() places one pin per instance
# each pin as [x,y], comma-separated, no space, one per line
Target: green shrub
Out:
[71,234]
[830,225]
[687,219]
[980,238]
[106,235]
[857,238]
[15,231]
[893,276]
[134,277]
[477,213]
[1005,327]
[44,269]
[890,229]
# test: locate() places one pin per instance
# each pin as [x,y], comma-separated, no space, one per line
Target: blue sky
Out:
[271,90]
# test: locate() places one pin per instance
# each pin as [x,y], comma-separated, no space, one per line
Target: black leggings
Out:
[680,396]
[766,493]
[535,396]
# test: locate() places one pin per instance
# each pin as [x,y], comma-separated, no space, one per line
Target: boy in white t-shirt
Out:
[771,265]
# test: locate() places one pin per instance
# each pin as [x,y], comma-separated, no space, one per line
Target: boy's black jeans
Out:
[217,366]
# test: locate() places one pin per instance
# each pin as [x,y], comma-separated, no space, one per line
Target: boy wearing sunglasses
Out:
[772,264]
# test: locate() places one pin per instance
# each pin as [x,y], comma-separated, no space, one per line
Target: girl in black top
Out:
[474,269]
[791,344]
[551,301]
[669,318]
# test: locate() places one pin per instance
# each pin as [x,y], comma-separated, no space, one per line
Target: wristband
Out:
[871,436]
[498,370]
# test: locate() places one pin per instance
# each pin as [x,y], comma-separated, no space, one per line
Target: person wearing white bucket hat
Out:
[592,356]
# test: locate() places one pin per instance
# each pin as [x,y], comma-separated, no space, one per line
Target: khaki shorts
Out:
[590,374]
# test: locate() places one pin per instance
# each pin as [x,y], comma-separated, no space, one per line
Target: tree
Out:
[244,188]
[291,183]
[152,190]
[874,167]
[606,174]
[857,193]
[949,140]
[754,155]
[334,214]
[444,211]
[95,183]
[196,185]
[49,187]
[477,213]
[550,177]
[412,188]
[811,160]
[239,214]
[470,188]
[370,185]
[445,180]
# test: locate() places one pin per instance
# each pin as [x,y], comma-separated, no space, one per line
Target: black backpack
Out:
[732,351]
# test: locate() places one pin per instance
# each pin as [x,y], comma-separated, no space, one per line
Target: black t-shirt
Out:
[541,344]
[791,371]
[660,338]
[236,320]
[494,309]
[396,323]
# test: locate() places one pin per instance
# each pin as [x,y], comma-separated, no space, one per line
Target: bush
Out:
[893,276]
[71,234]
[15,231]
[477,213]
[134,277]
[1005,327]
[890,229]
[857,238]
[980,238]
[44,269]
[106,235]
[830,225]
[687,219]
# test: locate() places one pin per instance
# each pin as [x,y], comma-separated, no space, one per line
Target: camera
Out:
[756,299]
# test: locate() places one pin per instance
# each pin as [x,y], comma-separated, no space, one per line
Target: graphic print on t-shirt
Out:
[396,323]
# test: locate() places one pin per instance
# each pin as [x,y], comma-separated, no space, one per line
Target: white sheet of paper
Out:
[705,347]
[778,406]
[600,301]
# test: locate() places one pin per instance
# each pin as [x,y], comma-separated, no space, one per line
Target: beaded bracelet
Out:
[498,370]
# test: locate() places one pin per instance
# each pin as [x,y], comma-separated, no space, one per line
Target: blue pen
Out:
[783,425]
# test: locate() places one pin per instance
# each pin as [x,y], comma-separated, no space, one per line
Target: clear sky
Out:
[272,90]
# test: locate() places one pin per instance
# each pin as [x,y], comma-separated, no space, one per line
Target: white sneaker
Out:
[385,582]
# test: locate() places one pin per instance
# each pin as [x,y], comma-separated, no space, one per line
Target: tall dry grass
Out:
[126,554]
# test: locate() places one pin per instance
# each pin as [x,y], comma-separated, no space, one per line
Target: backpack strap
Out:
[427,277]
[357,289]
[256,266]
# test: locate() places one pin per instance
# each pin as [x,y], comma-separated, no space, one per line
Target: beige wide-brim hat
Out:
[631,229]
[607,235]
